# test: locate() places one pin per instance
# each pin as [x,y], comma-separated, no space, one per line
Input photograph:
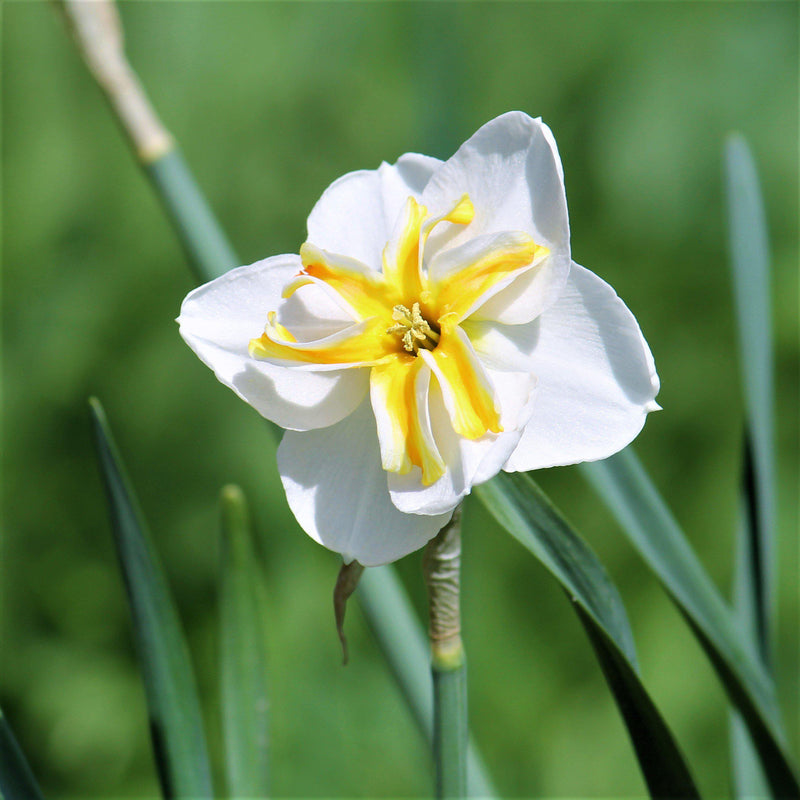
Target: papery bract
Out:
[432,331]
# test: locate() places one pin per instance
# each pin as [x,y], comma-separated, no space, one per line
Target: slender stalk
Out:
[442,566]
[98,32]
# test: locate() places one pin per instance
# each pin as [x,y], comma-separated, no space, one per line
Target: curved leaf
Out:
[521,507]
[754,584]
[628,491]
[176,725]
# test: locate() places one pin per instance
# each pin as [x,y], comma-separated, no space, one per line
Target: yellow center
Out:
[406,319]
[413,329]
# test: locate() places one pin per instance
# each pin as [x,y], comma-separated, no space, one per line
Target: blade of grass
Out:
[243,659]
[623,484]
[755,565]
[520,506]
[16,779]
[749,255]
[176,725]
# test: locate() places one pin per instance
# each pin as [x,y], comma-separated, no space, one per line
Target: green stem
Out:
[442,567]
[450,729]
[400,636]
[210,253]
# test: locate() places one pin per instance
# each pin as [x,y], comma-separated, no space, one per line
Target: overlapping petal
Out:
[218,320]
[469,461]
[356,213]
[596,378]
[337,490]
[511,169]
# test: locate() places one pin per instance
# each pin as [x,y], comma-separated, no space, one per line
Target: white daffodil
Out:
[432,331]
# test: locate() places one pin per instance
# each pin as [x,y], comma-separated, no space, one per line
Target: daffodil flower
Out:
[432,331]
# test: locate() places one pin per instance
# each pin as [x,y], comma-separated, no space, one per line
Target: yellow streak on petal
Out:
[279,331]
[366,346]
[401,254]
[394,386]
[367,293]
[474,413]
[462,213]
[457,292]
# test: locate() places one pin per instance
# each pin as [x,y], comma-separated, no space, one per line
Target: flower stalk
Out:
[98,33]
[97,30]
[442,568]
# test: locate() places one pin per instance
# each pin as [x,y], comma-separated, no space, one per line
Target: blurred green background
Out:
[271,102]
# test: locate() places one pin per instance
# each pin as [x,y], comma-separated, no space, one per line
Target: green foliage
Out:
[176,725]
[754,579]
[525,512]
[624,485]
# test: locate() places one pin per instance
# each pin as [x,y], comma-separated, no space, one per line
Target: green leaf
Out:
[755,564]
[243,658]
[624,485]
[749,254]
[16,779]
[521,507]
[175,720]
[394,624]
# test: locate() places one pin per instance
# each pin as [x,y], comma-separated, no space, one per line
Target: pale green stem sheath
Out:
[98,32]
[442,567]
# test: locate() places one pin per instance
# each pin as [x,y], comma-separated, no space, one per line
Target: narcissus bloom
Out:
[432,331]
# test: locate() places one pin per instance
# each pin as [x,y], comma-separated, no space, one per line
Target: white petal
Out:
[596,378]
[507,348]
[218,320]
[357,212]
[469,462]
[512,172]
[337,490]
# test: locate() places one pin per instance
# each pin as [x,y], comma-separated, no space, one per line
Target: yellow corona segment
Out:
[405,319]
[398,392]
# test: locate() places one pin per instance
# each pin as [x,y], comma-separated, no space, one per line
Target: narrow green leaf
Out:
[748,776]
[630,494]
[16,779]
[755,565]
[243,658]
[749,255]
[176,723]
[521,507]
[399,634]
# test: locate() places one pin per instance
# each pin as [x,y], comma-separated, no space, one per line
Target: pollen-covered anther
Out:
[413,328]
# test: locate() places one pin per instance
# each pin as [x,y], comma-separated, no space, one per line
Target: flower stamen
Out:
[413,328]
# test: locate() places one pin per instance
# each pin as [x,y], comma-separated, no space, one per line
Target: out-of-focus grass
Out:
[271,102]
